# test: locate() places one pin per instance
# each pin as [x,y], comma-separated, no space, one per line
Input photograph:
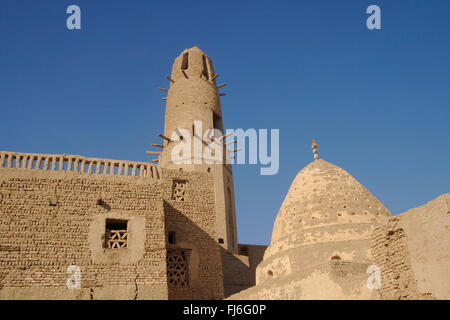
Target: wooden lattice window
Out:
[116,234]
[177,268]
[179,190]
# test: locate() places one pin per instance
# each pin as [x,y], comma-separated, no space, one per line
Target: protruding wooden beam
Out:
[164,137]
[157,145]
[165,98]
[155,160]
[225,135]
[222,94]
[163,89]
[170,79]
[215,76]
[153,152]
[235,150]
[222,85]
[185,74]
[231,142]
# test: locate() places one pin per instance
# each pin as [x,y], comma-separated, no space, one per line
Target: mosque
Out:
[73,227]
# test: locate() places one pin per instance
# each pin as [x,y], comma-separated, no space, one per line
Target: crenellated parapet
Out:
[74,163]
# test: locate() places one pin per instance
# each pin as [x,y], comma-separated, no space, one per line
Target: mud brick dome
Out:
[326,214]
[325,204]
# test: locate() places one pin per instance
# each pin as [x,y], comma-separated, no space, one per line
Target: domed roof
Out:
[324,204]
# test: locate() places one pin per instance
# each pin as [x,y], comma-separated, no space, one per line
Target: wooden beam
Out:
[170,79]
[222,85]
[152,152]
[163,89]
[157,145]
[165,98]
[222,94]
[215,76]
[164,137]
[235,150]
[225,135]
[155,160]
[231,142]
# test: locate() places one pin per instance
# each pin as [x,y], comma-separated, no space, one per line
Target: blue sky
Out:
[377,102]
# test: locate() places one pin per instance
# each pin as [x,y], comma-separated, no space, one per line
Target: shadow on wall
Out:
[194,269]
[239,270]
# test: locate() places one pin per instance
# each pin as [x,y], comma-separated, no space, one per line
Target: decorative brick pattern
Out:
[179,190]
[177,268]
[116,239]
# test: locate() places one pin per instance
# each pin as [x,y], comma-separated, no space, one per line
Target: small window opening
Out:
[270,273]
[205,68]
[116,234]
[220,240]
[217,122]
[172,238]
[185,62]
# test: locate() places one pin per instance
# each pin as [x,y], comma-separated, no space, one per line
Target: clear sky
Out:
[376,101]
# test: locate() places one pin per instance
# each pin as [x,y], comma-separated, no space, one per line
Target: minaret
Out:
[193,96]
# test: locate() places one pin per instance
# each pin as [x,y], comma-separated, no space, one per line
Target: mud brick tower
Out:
[193,104]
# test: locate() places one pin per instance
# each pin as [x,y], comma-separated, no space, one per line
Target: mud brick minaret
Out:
[193,96]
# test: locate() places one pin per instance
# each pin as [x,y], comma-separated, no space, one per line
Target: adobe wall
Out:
[335,279]
[53,216]
[51,220]
[194,223]
[390,253]
[239,270]
[428,243]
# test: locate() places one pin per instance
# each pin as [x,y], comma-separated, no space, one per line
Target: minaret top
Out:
[314,146]
[193,63]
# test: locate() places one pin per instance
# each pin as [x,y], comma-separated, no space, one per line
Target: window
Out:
[172,237]
[220,240]
[116,234]
[185,62]
[230,217]
[177,268]
[217,122]
[179,190]
[205,68]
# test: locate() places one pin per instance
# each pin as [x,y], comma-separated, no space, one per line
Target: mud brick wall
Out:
[51,220]
[193,220]
[45,220]
[390,253]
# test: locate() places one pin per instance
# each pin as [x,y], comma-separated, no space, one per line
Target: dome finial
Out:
[314,146]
